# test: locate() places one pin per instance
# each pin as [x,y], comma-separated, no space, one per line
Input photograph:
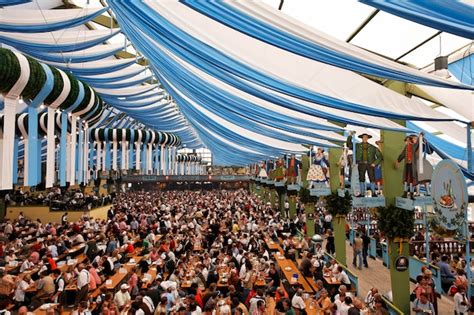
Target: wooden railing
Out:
[445,247]
[392,309]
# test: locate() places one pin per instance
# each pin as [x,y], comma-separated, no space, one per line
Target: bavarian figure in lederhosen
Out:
[367,156]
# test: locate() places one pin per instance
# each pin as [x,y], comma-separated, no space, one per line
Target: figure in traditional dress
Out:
[263,171]
[293,170]
[318,172]
[270,168]
[367,156]
[279,173]
[344,161]
[257,169]
[411,174]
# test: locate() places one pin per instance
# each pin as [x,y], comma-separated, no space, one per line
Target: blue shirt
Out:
[445,270]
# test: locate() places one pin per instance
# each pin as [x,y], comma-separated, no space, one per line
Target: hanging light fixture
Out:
[441,67]
[441,63]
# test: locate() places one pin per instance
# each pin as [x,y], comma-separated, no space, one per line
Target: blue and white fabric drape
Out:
[454,17]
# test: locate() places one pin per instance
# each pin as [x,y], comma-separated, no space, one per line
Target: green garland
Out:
[305,196]
[35,81]
[396,223]
[9,70]
[339,206]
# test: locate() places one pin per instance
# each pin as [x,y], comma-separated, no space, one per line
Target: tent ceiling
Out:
[385,34]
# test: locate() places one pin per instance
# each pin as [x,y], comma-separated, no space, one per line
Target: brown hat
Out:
[365,134]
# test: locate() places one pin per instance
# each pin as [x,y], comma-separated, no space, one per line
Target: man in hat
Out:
[122,297]
[410,169]
[367,156]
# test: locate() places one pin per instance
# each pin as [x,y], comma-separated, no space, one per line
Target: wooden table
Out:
[39,311]
[118,277]
[331,280]
[152,272]
[79,259]
[272,245]
[289,268]
[221,271]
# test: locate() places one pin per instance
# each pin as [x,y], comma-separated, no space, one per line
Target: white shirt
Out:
[82,278]
[79,239]
[26,265]
[20,291]
[243,271]
[298,302]
[338,302]
[369,300]
[343,277]
[344,309]
[198,311]
[54,250]
[458,299]
[121,298]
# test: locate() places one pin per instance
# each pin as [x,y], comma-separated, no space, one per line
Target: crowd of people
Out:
[175,252]
[58,199]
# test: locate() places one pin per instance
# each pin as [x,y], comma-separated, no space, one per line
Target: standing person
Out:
[432,296]
[330,245]
[327,221]
[83,280]
[59,285]
[357,247]
[287,209]
[447,276]
[64,219]
[365,249]
[422,306]
[461,302]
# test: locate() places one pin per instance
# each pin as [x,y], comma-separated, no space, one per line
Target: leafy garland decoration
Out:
[396,223]
[305,196]
[35,81]
[9,70]
[339,206]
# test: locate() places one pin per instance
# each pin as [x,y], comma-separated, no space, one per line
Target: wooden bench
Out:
[310,280]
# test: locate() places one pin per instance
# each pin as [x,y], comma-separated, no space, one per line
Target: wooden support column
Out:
[392,145]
